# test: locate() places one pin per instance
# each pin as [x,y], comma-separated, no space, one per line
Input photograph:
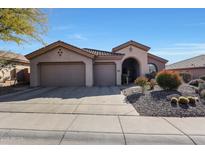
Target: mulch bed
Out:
[157,103]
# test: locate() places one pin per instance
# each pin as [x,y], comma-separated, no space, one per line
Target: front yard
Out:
[184,101]
[157,102]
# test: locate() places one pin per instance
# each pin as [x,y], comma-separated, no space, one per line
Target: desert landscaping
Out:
[184,99]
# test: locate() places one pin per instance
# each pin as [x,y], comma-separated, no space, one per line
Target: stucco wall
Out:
[67,56]
[160,65]
[195,72]
[138,54]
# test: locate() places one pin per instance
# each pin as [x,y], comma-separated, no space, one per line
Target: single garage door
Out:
[62,74]
[104,74]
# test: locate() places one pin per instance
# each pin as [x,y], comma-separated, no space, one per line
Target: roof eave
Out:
[55,45]
[158,58]
[133,43]
[15,60]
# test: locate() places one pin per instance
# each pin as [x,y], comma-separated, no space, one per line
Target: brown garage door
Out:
[104,74]
[62,74]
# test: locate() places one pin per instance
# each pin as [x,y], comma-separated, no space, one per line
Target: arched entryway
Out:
[152,68]
[130,70]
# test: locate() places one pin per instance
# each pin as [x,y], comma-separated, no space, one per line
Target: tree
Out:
[18,25]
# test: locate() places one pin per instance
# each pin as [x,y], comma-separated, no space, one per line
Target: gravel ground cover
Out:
[157,102]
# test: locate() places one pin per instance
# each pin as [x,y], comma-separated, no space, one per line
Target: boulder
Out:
[196,82]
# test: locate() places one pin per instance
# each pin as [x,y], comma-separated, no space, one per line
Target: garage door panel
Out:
[104,74]
[62,74]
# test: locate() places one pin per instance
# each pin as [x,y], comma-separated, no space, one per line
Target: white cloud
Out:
[183,48]
[180,51]
[192,45]
[77,37]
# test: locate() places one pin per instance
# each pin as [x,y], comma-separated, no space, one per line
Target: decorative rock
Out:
[155,103]
[196,82]
[132,90]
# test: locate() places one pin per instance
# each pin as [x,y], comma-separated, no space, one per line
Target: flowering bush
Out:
[168,80]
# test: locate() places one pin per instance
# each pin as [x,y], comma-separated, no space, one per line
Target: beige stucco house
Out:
[195,66]
[62,64]
[18,68]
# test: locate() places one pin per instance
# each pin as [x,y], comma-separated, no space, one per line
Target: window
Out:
[152,68]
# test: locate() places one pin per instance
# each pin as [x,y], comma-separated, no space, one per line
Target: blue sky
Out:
[174,34]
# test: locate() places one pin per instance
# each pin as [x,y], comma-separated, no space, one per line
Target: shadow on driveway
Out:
[62,92]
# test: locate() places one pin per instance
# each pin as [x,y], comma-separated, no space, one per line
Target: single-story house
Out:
[62,64]
[18,68]
[195,66]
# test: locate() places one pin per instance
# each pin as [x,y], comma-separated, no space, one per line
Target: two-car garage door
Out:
[62,74]
[73,74]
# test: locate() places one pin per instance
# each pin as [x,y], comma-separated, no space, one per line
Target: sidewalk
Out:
[38,128]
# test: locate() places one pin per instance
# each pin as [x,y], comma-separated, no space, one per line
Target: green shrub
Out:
[202,77]
[174,100]
[191,99]
[168,80]
[196,82]
[152,83]
[186,77]
[183,100]
[142,82]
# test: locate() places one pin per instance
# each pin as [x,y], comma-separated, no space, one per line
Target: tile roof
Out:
[101,52]
[8,55]
[131,42]
[198,61]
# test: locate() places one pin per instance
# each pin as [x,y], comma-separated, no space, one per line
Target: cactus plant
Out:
[183,100]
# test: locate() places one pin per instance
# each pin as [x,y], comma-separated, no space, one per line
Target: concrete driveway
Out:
[70,100]
[94,115]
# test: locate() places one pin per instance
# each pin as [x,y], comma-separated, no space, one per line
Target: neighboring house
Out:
[195,66]
[62,64]
[19,67]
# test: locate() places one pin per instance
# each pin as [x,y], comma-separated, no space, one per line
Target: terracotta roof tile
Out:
[101,52]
